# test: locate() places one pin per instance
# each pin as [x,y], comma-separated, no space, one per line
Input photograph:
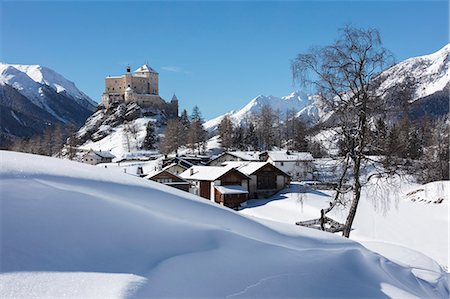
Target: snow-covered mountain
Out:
[431,74]
[32,97]
[304,106]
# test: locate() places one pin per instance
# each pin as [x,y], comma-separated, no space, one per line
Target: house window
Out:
[281,163]
[164,181]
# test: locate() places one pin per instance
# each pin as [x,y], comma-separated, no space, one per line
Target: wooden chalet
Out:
[265,178]
[224,185]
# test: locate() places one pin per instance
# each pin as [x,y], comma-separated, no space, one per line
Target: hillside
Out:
[120,129]
[75,232]
[33,97]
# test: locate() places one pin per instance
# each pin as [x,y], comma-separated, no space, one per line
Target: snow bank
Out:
[74,230]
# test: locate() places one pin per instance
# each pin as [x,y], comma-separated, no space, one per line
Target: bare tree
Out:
[342,74]
[172,141]
[265,128]
[226,132]
[71,141]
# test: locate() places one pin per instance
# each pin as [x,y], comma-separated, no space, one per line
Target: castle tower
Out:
[152,75]
[129,94]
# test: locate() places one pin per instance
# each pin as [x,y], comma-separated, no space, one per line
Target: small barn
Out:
[224,185]
[265,178]
[169,179]
[95,157]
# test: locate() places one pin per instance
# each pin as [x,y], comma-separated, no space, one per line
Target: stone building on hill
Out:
[140,87]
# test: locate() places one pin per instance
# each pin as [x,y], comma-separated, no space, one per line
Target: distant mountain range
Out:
[430,92]
[33,97]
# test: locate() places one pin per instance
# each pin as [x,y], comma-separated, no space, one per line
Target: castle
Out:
[141,88]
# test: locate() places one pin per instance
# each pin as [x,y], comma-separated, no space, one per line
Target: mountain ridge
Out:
[431,73]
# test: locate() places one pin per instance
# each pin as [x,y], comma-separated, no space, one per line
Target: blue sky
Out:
[217,55]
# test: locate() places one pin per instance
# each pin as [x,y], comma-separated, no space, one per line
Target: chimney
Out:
[192,171]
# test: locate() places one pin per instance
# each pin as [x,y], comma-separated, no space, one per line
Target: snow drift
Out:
[73,230]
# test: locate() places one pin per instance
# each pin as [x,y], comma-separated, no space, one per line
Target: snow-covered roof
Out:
[234,164]
[176,164]
[246,156]
[231,189]
[102,154]
[290,156]
[145,69]
[251,167]
[155,173]
[205,173]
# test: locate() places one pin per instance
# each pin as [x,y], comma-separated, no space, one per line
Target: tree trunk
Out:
[357,157]
[354,206]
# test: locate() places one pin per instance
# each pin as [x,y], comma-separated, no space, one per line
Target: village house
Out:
[95,157]
[169,179]
[299,165]
[265,178]
[234,156]
[224,185]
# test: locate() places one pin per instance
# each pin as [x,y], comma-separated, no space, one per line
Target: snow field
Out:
[120,236]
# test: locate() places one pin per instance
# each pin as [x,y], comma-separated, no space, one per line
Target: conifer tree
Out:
[150,137]
[185,124]
[197,134]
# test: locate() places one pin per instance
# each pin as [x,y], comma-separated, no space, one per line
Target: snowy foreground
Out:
[73,230]
[405,221]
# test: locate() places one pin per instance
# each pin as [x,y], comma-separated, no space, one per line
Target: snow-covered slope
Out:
[304,106]
[81,231]
[431,73]
[121,130]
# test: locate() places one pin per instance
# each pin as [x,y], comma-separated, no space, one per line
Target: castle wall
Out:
[144,92]
[115,84]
